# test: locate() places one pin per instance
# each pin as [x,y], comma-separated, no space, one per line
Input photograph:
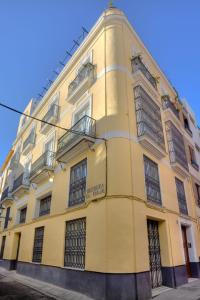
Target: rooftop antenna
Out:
[110,4]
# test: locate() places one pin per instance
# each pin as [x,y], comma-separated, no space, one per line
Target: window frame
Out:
[150,180]
[82,181]
[38,239]
[74,258]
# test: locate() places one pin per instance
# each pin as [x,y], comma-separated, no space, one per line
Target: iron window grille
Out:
[45,205]
[2,246]
[38,244]
[78,183]
[22,218]
[75,243]
[152,181]
[148,117]
[137,64]
[167,103]
[181,197]
[22,179]
[7,218]
[176,145]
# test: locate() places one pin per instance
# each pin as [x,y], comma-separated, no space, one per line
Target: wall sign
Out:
[95,191]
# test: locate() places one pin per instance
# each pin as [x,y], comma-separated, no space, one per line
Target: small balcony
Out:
[14,161]
[21,185]
[170,110]
[72,144]
[177,153]
[81,83]
[138,65]
[7,195]
[29,143]
[50,117]
[42,167]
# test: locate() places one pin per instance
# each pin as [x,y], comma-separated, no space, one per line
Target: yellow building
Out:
[107,208]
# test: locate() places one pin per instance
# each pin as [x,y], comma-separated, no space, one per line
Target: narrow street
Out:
[11,289]
[14,286]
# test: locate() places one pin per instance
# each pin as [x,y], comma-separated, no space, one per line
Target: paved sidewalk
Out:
[39,289]
[189,291]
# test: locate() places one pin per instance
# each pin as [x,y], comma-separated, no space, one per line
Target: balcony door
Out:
[85,110]
[27,170]
[48,149]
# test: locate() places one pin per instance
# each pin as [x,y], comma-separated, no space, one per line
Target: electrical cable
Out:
[48,123]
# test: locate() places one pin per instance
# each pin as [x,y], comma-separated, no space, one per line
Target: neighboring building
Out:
[108,208]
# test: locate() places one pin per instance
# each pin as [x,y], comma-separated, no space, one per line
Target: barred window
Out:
[177,153]
[152,181]
[45,205]
[181,196]
[75,241]
[22,217]
[78,183]
[3,242]
[148,117]
[38,244]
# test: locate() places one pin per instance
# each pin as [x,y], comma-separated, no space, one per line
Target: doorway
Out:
[18,247]
[185,248]
[154,254]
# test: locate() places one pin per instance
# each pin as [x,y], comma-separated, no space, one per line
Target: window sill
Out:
[74,269]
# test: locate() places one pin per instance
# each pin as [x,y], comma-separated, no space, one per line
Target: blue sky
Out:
[34,35]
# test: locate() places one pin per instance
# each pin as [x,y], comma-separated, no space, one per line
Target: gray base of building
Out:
[104,286]
[176,276]
[95,285]
[8,264]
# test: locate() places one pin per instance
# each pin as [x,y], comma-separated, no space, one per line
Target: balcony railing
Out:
[176,146]
[86,126]
[6,194]
[30,140]
[168,104]
[137,64]
[46,160]
[22,180]
[87,71]
[14,161]
[51,114]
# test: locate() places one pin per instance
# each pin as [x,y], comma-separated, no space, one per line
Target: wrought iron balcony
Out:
[149,123]
[50,117]
[29,143]
[138,65]
[14,161]
[167,104]
[83,80]
[86,127]
[21,184]
[6,195]
[42,166]
[176,146]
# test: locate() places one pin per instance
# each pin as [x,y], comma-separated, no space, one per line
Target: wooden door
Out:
[185,247]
